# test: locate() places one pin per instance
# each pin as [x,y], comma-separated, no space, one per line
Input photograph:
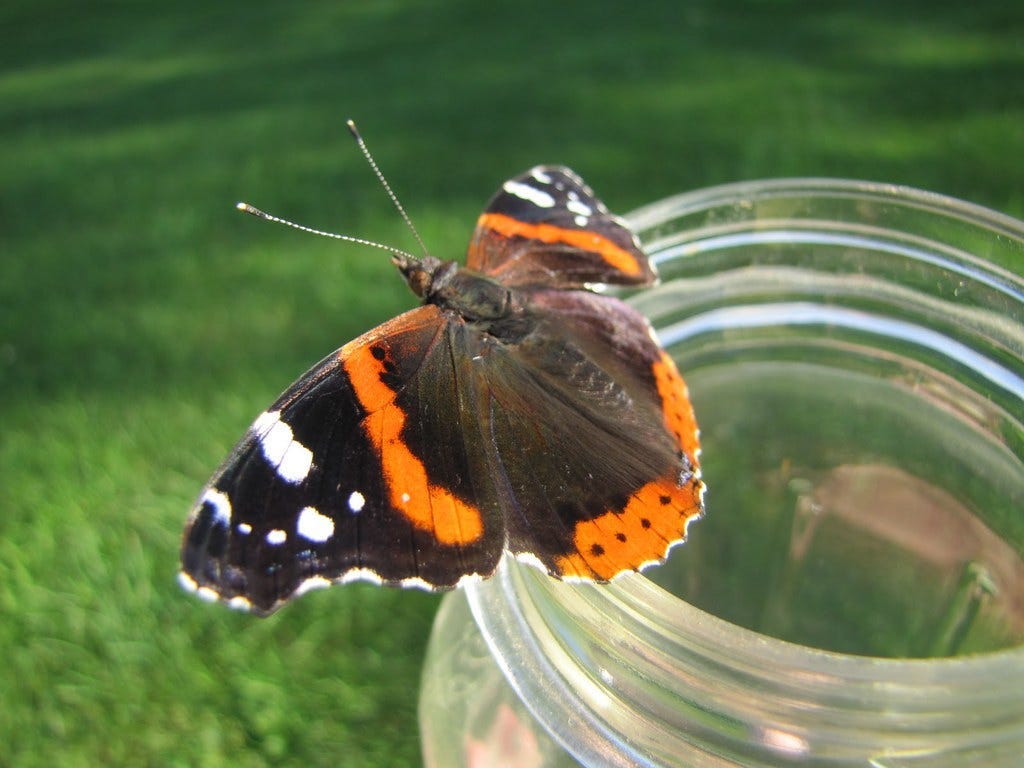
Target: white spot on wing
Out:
[576,206]
[291,458]
[538,197]
[531,559]
[415,582]
[540,176]
[296,462]
[469,578]
[356,502]
[360,574]
[581,221]
[211,595]
[276,537]
[221,505]
[207,594]
[265,422]
[240,603]
[313,582]
[187,582]
[314,526]
[244,528]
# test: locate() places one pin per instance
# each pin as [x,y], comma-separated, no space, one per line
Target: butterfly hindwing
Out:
[595,438]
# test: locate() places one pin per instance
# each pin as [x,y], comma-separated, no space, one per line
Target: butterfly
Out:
[515,410]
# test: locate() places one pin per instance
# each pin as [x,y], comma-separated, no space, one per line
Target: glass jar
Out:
[855,595]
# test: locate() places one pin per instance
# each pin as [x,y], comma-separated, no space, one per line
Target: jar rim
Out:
[582,670]
[815,186]
[638,596]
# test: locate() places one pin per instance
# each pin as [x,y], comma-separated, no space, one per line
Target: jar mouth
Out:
[588,658]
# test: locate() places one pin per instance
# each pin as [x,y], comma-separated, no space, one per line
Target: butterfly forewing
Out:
[546,228]
[331,483]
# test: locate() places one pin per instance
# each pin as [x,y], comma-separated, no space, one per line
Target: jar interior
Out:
[860,408]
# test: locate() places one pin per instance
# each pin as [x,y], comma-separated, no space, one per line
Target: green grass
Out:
[143,323]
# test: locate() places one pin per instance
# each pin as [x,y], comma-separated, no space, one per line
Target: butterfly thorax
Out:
[450,286]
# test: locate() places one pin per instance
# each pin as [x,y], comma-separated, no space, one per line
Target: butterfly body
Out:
[514,410]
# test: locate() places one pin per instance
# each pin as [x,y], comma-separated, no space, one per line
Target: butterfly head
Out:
[421,273]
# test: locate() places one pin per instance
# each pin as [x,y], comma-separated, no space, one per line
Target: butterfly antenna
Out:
[254,211]
[384,182]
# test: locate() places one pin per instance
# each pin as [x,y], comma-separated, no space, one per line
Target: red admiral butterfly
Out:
[514,410]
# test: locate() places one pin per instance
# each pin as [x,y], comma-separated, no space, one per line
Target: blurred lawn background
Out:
[143,322]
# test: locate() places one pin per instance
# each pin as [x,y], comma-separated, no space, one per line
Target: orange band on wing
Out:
[615,255]
[655,517]
[429,507]
[675,405]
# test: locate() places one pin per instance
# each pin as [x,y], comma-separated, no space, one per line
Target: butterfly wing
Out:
[547,228]
[336,481]
[595,438]
[420,451]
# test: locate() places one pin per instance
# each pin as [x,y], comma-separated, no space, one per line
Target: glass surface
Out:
[859,388]
[855,596]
